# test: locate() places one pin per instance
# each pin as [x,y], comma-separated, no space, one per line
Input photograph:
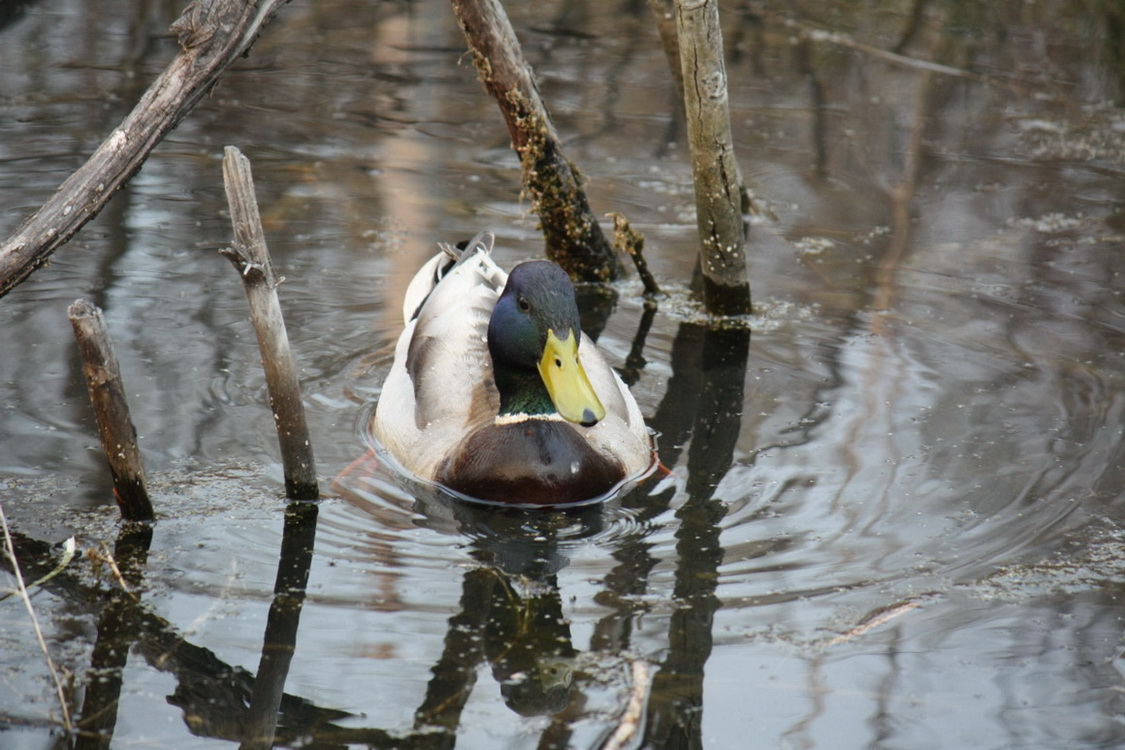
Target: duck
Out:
[496,394]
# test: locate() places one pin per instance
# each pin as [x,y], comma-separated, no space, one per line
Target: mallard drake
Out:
[495,392]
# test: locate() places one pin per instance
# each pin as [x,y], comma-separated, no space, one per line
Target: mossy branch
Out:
[550,180]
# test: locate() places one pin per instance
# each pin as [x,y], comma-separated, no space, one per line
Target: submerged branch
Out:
[634,710]
[814,34]
[875,620]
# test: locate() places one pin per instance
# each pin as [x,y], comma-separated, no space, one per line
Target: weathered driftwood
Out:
[251,259]
[212,34]
[119,437]
[573,237]
[718,184]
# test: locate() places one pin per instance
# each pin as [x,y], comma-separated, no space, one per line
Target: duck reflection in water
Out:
[510,615]
[515,598]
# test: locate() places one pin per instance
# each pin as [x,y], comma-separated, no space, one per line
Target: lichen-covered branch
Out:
[718,188]
[212,35]
[573,237]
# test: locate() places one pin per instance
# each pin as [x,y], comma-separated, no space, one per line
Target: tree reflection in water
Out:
[510,613]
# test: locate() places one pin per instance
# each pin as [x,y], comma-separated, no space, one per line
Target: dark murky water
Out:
[894,518]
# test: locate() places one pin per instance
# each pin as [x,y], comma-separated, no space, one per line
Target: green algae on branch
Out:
[554,185]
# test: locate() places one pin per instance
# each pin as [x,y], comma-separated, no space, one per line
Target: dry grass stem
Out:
[10,551]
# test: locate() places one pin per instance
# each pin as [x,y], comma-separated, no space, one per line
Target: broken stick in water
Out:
[251,258]
[119,437]
[718,182]
[632,243]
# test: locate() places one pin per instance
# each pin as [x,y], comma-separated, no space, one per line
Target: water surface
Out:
[893,516]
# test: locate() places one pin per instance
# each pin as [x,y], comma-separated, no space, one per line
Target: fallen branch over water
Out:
[212,35]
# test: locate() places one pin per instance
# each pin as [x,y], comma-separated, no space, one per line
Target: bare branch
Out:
[213,34]
[718,182]
[251,258]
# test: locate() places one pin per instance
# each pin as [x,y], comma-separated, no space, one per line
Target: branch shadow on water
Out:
[704,406]
[702,411]
[118,626]
[217,699]
[280,639]
[511,615]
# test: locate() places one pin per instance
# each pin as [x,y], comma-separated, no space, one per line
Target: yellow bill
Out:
[566,381]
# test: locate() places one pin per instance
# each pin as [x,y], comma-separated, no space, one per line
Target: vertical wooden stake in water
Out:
[251,258]
[718,192]
[119,437]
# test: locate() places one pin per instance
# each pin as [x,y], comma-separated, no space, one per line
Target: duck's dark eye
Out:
[523,304]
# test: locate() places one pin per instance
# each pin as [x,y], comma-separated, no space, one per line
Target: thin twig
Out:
[882,617]
[105,555]
[10,551]
[69,548]
[843,40]
[631,242]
